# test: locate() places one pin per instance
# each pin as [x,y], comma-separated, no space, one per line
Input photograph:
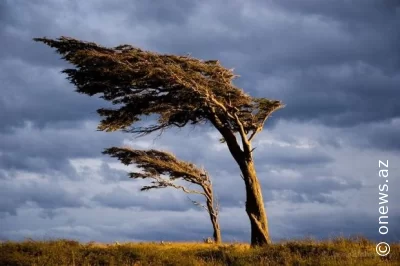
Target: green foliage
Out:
[339,251]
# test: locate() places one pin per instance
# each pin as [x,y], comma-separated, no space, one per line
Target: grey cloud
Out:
[290,156]
[343,223]
[308,184]
[51,213]
[180,226]
[358,94]
[39,95]
[82,233]
[49,149]
[343,10]
[174,12]
[295,197]
[335,65]
[169,226]
[229,189]
[145,200]
[112,175]
[383,136]
[302,45]
[313,166]
[107,23]
[48,196]
[215,156]
[281,38]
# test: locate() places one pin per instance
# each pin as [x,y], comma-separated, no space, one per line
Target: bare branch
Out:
[163,183]
[253,134]
[198,204]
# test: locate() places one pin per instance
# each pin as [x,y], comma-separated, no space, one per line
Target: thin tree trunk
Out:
[213,212]
[217,231]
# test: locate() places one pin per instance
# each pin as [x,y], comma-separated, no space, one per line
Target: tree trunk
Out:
[255,206]
[217,231]
[213,212]
[254,200]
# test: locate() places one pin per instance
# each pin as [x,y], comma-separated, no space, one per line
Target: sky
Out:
[334,63]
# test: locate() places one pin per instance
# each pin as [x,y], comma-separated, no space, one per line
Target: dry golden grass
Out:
[338,251]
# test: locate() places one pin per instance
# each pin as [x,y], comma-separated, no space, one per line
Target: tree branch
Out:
[162,183]
[198,204]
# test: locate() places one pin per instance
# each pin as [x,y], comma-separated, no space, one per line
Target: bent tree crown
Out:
[180,90]
[155,164]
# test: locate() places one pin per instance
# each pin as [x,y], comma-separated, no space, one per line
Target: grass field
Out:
[338,251]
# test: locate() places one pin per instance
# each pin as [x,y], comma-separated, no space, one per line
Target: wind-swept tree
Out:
[181,90]
[156,164]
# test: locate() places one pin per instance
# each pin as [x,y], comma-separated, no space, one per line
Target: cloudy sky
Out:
[334,63]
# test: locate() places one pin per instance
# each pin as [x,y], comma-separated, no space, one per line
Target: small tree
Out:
[157,163]
[181,90]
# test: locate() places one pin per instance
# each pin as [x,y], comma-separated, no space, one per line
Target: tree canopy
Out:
[155,164]
[179,89]
[163,168]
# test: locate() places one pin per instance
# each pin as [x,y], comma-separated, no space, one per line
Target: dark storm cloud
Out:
[263,40]
[344,95]
[338,35]
[334,63]
[306,198]
[268,41]
[307,184]
[212,154]
[283,186]
[384,136]
[52,213]
[195,228]
[41,95]
[145,200]
[48,196]
[112,175]
[50,149]
[131,226]
[291,156]
[313,181]
[21,21]
[343,10]
[176,12]
[324,226]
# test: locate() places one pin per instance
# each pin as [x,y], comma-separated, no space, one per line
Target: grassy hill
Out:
[338,251]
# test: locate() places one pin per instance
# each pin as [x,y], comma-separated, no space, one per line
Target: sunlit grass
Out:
[338,251]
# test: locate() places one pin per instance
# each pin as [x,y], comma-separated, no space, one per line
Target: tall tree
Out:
[156,163]
[181,90]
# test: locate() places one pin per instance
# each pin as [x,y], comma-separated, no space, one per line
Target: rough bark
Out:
[213,212]
[217,232]
[254,200]
[255,206]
